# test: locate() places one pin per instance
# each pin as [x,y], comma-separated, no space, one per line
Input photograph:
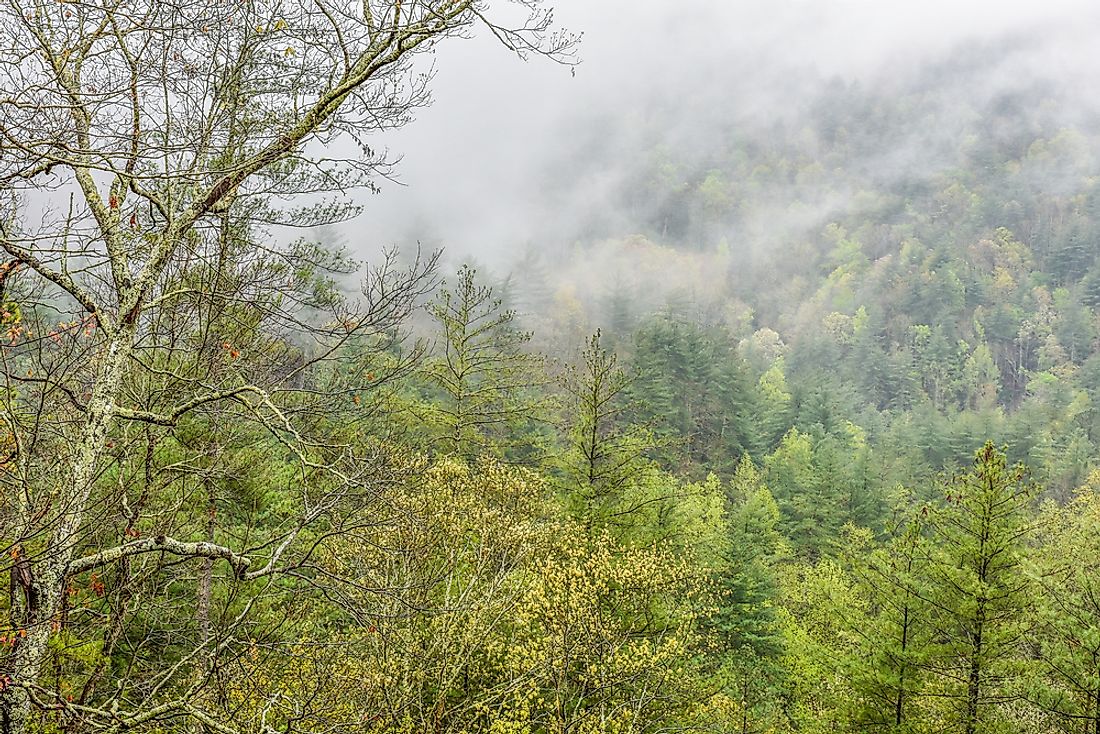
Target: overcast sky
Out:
[473,162]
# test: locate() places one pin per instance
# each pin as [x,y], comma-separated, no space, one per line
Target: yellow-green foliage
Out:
[819,609]
[603,633]
[498,616]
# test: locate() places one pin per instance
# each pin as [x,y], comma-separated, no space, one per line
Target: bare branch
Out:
[161,543]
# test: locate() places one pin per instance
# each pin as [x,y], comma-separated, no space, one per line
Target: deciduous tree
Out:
[148,133]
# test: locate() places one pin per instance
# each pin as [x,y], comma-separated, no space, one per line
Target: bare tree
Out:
[162,142]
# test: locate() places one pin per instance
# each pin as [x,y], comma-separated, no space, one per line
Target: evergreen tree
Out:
[775,413]
[530,278]
[605,454]
[822,482]
[1074,325]
[486,380]
[696,391]
[894,642]
[746,619]
[620,312]
[979,590]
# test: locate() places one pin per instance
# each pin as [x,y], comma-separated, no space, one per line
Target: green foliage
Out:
[745,622]
[485,381]
[888,667]
[1064,675]
[979,592]
[695,391]
[605,461]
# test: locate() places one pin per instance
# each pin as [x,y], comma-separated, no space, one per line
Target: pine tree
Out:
[813,491]
[606,454]
[696,390]
[531,280]
[746,619]
[979,589]
[488,383]
[896,637]
[620,312]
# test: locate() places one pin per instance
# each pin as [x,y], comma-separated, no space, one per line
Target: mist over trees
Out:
[776,412]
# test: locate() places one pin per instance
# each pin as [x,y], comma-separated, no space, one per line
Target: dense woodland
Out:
[798,434]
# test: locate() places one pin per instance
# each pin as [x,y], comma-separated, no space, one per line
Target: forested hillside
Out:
[903,258]
[794,429]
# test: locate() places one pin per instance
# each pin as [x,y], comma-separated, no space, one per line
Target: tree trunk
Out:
[974,682]
[47,578]
[899,704]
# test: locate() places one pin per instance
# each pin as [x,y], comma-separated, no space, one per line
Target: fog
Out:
[515,154]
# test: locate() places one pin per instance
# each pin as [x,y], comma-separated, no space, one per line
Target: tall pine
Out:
[979,591]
